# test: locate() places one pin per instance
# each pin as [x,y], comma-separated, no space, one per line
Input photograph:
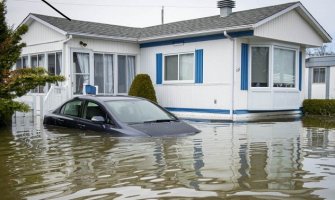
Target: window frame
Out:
[90,69]
[178,81]
[269,69]
[116,72]
[272,47]
[296,70]
[114,55]
[319,69]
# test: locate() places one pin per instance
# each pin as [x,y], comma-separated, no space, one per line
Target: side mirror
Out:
[98,119]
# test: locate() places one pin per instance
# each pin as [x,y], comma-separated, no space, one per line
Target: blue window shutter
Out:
[300,71]
[199,64]
[244,66]
[159,68]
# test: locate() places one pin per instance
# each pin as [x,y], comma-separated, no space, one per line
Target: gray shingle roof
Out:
[248,17]
[91,28]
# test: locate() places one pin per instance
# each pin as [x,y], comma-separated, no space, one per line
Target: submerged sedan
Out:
[119,115]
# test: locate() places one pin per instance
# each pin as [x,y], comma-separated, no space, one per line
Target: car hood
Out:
[165,128]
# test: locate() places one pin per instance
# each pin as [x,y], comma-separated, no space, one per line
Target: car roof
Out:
[104,98]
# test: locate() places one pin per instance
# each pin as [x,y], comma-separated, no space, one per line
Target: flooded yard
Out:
[270,160]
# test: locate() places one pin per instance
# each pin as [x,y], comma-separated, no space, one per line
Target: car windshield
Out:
[138,111]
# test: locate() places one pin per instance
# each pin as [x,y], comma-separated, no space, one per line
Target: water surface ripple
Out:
[278,160]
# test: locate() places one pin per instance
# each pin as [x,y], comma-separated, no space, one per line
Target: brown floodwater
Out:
[269,160]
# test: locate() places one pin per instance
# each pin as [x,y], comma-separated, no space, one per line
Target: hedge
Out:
[322,107]
[142,87]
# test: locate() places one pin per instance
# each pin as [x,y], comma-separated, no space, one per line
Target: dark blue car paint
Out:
[116,127]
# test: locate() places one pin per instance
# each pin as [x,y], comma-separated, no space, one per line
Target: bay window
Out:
[273,66]
[179,67]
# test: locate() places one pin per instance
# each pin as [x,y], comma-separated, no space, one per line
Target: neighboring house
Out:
[320,77]
[233,66]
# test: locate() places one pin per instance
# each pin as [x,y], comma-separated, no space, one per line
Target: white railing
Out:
[54,98]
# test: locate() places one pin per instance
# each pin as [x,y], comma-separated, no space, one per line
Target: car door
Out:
[94,109]
[70,113]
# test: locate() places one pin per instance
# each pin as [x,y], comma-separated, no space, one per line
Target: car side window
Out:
[72,108]
[93,109]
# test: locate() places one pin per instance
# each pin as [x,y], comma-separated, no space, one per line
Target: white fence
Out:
[54,98]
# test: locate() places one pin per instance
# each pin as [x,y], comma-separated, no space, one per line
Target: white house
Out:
[233,66]
[319,71]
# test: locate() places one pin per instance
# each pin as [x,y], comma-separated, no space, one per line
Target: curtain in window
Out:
[260,67]
[33,61]
[99,72]
[81,70]
[122,83]
[284,68]
[130,70]
[19,63]
[83,63]
[186,66]
[51,64]
[24,61]
[58,63]
[41,62]
[171,68]
[109,73]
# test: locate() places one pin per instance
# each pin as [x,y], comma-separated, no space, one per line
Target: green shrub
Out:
[322,107]
[142,87]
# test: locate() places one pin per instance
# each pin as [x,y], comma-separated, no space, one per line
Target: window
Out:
[273,67]
[319,75]
[22,62]
[284,65]
[179,67]
[260,66]
[126,72]
[103,73]
[37,61]
[92,110]
[72,108]
[54,63]
[81,71]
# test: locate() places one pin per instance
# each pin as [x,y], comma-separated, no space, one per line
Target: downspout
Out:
[233,76]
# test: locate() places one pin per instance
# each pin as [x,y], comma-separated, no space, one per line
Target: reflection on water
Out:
[279,160]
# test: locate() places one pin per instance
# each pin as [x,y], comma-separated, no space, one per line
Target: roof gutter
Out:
[193,34]
[105,37]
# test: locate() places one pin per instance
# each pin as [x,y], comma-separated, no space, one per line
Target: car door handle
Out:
[81,125]
[60,120]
